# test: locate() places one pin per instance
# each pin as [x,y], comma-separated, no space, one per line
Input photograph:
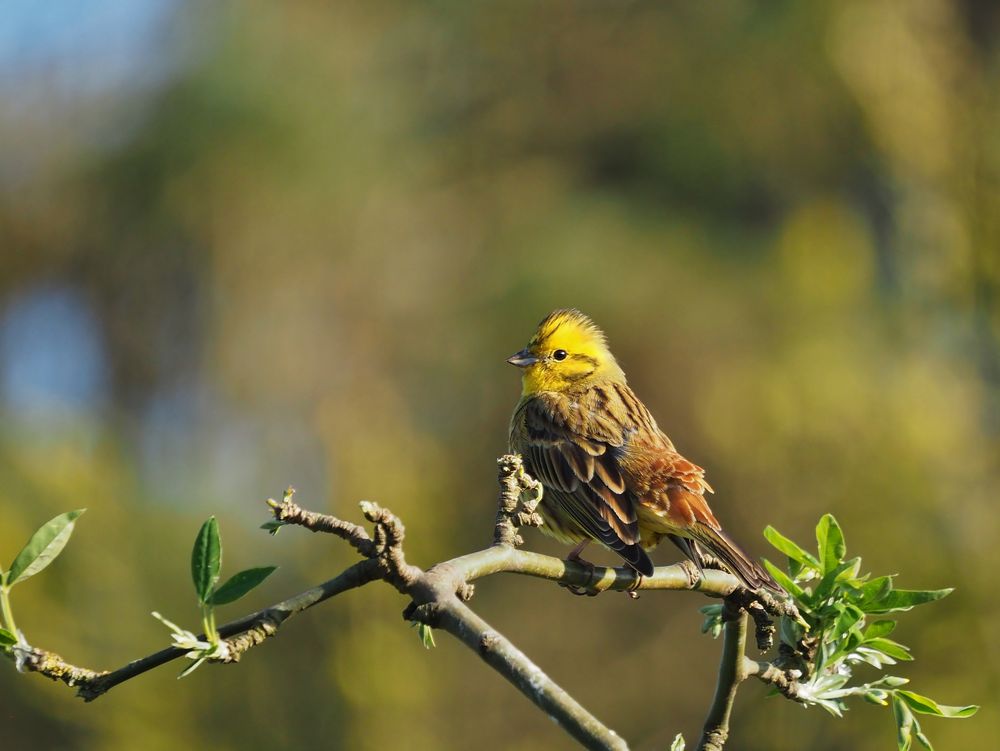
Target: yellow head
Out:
[567,352]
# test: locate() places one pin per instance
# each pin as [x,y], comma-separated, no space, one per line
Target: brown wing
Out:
[674,489]
[671,485]
[575,456]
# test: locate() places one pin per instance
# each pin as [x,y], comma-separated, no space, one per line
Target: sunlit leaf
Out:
[789,548]
[871,593]
[830,580]
[206,559]
[785,581]
[904,599]
[904,723]
[239,584]
[43,547]
[888,646]
[830,542]
[849,571]
[926,705]
[191,668]
[833,706]
[879,628]
[873,657]
[848,618]
[892,681]
[876,696]
[426,635]
[678,743]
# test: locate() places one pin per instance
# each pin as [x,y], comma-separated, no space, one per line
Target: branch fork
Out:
[439,596]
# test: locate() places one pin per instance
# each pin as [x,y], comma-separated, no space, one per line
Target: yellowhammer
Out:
[610,474]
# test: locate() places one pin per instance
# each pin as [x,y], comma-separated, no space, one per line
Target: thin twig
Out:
[289,512]
[785,681]
[513,511]
[357,575]
[54,667]
[732,672]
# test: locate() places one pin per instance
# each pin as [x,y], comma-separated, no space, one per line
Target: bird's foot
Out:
[580,591]
[574,557]
[574,554]
[693,572]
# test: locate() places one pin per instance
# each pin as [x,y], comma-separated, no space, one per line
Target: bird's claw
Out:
[580,591]
[631,592]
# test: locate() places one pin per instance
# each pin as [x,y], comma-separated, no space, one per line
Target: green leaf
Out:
[789,631]
[831,579]
[43,547]
[871,593]
[926,705]
[904,599]
[713,620]
[924,740]
[7,639]
[206,559]
[191,668]
[888,646]
[849,616]
[678,744]
[426,634]
[239,584]
[876,696]
[785,581]
[879,628]
[847,625]
[904,723]
[794,567]
[849,571]
[853,641]
[892,681]
[830,542]
[789,548]
[273,526]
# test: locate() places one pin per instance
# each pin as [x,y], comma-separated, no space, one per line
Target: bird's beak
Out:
[522,359]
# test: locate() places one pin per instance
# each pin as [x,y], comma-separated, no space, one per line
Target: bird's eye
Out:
[560,354]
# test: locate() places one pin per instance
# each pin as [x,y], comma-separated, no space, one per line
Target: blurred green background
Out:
[250,244]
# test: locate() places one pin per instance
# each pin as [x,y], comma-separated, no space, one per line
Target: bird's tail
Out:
[720,545]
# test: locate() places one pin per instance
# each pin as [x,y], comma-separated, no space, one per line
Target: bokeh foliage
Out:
[305,246]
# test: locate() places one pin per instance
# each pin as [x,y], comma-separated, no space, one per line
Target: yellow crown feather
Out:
[571,351]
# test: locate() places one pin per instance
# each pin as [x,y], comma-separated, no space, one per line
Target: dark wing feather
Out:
[577,463]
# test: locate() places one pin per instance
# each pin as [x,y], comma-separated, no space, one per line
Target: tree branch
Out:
[500,654]
[784,680]
[241,634]
[732,672]
[438,596]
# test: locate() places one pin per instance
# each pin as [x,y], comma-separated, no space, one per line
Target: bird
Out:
[607,470]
